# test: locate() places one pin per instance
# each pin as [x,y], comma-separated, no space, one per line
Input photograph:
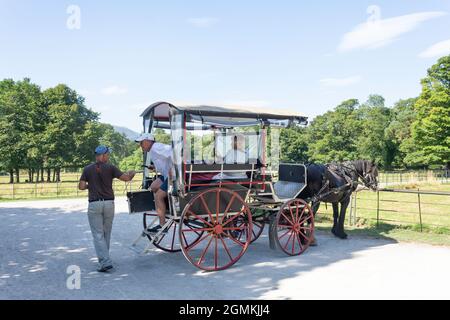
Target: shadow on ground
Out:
[40,243]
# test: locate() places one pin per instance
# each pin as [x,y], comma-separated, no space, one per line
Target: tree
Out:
[398,132]
[431,129]
[439,75]
[50,129]
[21,120]
[294,145]
[374,120]
[67,120]
[121,145]
[334,135]
[132,162]
[162,137]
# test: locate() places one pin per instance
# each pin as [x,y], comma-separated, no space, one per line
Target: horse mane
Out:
[362,166]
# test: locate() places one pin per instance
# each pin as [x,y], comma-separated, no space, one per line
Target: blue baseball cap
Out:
[102,150]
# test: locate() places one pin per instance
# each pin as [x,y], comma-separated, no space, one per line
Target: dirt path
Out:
[39,240]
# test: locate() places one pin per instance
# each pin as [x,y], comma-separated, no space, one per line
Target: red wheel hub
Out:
[218,229]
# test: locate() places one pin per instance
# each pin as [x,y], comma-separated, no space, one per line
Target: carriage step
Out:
[135,249]
[142,251]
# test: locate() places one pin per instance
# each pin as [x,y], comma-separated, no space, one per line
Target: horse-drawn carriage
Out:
[222,195]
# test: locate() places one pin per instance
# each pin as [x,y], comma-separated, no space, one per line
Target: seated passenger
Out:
[235,155]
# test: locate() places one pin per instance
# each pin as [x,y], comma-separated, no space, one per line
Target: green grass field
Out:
[399,215]
[67,188]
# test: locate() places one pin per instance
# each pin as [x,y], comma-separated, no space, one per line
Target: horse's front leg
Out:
[314,207]
[335,218]
[340,229]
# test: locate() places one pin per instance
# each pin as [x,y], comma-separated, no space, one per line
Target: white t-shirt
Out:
[161,156]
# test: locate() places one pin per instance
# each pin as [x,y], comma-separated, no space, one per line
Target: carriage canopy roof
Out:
[225,116]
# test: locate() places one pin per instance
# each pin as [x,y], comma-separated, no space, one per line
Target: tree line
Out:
[44,131]
[414,133]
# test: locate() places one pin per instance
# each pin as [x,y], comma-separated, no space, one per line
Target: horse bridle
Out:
[367,182]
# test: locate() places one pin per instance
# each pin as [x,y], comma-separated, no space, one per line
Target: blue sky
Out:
[306,56]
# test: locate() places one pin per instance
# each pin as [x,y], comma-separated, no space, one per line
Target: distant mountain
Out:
[130,134]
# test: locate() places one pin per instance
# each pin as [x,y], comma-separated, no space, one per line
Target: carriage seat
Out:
[198,173]
[292,180]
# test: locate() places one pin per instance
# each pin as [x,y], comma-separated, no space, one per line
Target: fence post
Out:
[378,208]
[354,213]
[420,210]
[351,210]
[13,195]
[35,190]
[57,189]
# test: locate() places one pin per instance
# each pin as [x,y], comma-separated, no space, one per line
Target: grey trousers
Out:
[101,216]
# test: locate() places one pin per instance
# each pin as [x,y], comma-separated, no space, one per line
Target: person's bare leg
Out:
[160,198]
[154,187]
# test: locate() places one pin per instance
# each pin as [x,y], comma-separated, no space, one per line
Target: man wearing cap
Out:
[98,179]
[161,156]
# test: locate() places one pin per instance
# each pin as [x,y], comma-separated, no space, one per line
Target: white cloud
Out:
[437,50]
[340,82]
[114,90]
[379,33]
[202,22]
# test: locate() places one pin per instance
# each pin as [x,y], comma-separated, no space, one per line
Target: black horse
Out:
[334,183]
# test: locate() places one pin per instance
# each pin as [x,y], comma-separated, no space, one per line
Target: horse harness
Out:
[340,171]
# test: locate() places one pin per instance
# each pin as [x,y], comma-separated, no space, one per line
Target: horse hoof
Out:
[313,243]
[333,231]
[341,235]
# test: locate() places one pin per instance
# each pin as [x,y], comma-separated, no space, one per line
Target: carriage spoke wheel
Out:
[257,229]
[214,213]
[293,229]
[169,241]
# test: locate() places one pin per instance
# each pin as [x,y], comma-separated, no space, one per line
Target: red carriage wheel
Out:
[257,229]
[169,241]
[214,213]
[293,227]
